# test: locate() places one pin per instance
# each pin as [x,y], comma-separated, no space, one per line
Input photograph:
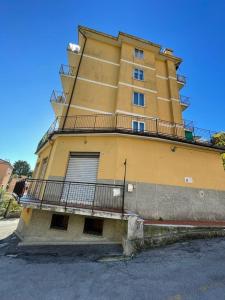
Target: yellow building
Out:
[119,151]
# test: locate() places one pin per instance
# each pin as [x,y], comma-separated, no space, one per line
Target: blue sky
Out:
[34,36]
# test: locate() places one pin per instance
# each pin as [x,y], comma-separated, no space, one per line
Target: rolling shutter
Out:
[82,168]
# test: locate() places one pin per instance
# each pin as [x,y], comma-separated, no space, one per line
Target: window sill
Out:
[136,105]
[142,80]
[138,58]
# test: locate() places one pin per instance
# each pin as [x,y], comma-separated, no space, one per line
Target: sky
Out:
[33,40]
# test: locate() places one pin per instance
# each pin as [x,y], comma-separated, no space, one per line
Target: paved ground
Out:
[7,226]
[187,270]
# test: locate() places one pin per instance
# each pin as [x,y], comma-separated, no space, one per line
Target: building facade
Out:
[5,173]
[119,149]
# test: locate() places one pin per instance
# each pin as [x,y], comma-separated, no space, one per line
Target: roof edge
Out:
[120,33]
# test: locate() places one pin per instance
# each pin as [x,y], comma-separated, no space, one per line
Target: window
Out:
[93,226]
[138,99]
[59,221]
[138,74]
[138,126]
[139,53]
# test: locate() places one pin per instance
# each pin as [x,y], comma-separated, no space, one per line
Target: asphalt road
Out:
[187,270]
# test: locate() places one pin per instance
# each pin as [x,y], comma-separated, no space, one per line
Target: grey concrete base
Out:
[152,201]
[134,239]
[155,201]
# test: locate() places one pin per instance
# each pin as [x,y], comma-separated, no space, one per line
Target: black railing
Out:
[46,136]
[181,78]
[57,96]
[184,100]
[95,196]
[127,124]
[67,70]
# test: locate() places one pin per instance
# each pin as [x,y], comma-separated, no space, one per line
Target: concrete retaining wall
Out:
[155,236]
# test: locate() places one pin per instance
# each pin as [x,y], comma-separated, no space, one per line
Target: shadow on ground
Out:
[62,253]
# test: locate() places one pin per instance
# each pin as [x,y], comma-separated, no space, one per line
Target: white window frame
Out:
[139,72]
[138,53]
[139,99]
[139,122]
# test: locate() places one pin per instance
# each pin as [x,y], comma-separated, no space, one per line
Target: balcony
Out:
[181,80]
[74,195]
[67,75]
[73,56]
[124,124]
[184,102]
[58,99]
[67,70]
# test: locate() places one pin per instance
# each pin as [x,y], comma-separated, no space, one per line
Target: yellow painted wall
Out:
[153,161]
[64,145]
[149,161]
[26,215]
[109,99]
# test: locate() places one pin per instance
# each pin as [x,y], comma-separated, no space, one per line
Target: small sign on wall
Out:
[188,179]
[116,192]
[130,187]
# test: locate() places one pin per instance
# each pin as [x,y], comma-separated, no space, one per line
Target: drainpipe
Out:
[74,84]
[124,184]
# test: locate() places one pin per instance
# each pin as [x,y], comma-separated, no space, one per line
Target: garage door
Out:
[82,173]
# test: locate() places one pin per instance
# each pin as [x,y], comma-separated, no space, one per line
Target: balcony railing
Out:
[67,70]
[58,97]
[128,124]
[94,196]
[184,100]
[181,78]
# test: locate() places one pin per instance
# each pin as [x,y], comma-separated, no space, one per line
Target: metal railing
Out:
[184,100]
[58,96]
[95,196]
[125,124]
[188,125]
[181,78]
[48,133]
[67,70]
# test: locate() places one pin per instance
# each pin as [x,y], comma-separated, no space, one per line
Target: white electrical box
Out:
[188,179]
[130,187]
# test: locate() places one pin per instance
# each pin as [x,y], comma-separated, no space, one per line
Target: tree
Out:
[219,140]
[21,167]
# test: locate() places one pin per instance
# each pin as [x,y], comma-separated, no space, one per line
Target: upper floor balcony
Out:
[132,125]
[58,97]
[181,80]
[67,70]
[184,102]
[67,75]
[74,54]
[57,100]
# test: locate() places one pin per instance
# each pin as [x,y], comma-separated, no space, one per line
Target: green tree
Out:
[219,140]
[21,167]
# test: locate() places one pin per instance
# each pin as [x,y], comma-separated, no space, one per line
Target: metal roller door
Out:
[82,170]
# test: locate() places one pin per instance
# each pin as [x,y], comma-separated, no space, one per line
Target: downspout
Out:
[74,84]
[124,185]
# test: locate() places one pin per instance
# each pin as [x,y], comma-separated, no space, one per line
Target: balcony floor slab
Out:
[36,204]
